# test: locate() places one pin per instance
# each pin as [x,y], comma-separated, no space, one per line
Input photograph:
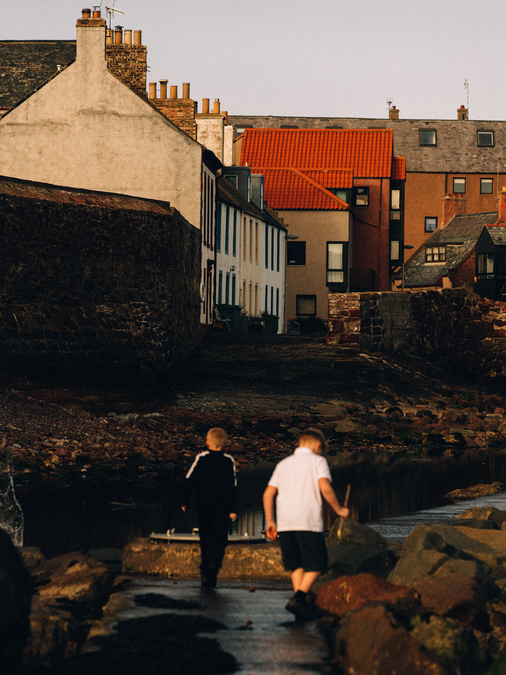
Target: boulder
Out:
[354,533]
[453,645]
[455,597]
[481,490]
[484,513]
[445,539]
[15,599]
[370,641]
[354,559]
[416,565]
[475,523]
[352,592]
[72,576]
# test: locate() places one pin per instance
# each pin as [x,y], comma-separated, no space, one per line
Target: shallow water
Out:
[394,497]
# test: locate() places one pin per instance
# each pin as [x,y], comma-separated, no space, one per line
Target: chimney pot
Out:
[96,14]
[118,35]
[128,37]
[462,113]
[186,90]
[137,37]
[163,88]
[152,90]
[173,90]
[216,108]
[205,106]
[108,37]
[86,13]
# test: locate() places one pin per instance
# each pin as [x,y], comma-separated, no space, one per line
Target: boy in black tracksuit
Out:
[212,476]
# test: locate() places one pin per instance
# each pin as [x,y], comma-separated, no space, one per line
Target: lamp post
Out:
[406,247]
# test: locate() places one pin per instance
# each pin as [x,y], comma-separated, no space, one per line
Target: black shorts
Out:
[303,549]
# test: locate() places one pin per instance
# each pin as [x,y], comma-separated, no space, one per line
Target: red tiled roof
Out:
[399,168]
[294,189]
[366,152]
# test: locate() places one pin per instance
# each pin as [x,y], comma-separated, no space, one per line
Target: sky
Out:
[321,58]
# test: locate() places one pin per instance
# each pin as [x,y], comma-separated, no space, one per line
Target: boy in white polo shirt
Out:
[297,485]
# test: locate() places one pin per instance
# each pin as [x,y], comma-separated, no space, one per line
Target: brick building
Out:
[460,156]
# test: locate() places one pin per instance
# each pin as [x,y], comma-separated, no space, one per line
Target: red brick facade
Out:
[128,62]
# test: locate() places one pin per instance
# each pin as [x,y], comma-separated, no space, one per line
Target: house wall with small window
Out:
[306,284]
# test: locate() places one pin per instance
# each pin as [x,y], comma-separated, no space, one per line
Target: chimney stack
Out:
[453,205]
[393,113]
[462,113]
[501,207]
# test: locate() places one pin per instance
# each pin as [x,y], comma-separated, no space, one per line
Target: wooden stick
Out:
[341,520]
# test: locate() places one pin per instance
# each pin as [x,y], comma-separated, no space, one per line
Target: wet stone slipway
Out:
[177,627]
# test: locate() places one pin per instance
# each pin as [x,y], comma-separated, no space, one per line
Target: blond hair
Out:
[217,437]
[310,438]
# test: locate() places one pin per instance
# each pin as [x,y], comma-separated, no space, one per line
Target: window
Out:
[342,194]
[486,186]
[459,185]
[227,287]
[395,247]
[335,263]
[428,137]
[266,247]
[306,305]
[296,252]
[486,138]
[220,287]
[361,196]
[395,200]
[227,228]
[485,265]
[430,223]
[234,235]
[435,254]
[278,250]
[218,230]
[233,289]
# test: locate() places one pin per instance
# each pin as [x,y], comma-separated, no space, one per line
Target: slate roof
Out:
[460,236]
[367,153]
[456,150]
[26,65]
[497,235]
[229,194]
[13,187]
[291,189]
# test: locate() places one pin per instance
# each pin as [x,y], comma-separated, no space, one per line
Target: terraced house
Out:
[342,193]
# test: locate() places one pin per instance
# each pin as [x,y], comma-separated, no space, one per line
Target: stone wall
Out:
[97,295]
[454,328]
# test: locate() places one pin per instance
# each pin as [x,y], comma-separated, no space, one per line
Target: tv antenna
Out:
[466,87]
[111,10]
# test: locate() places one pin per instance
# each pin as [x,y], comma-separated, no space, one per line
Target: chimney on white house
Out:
[91,39]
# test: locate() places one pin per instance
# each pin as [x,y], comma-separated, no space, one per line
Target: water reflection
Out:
[85,516]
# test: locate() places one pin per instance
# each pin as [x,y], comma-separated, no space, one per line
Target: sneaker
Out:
[300,609]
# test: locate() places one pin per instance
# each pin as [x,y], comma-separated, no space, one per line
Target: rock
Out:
[445,539]
[72,576]
[371,642]
[453,645]
[15,599]
[475,523]
[56,635]
[416,565]
[481,490]
[346,426]
[352,592]
[455,597]
[475,569]
[484,513]
[354,533]
[354,559]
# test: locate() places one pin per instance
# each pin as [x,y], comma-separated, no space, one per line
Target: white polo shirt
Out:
[299,500]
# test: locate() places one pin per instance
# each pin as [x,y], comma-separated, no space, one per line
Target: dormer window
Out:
[435,254]
[486,138]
